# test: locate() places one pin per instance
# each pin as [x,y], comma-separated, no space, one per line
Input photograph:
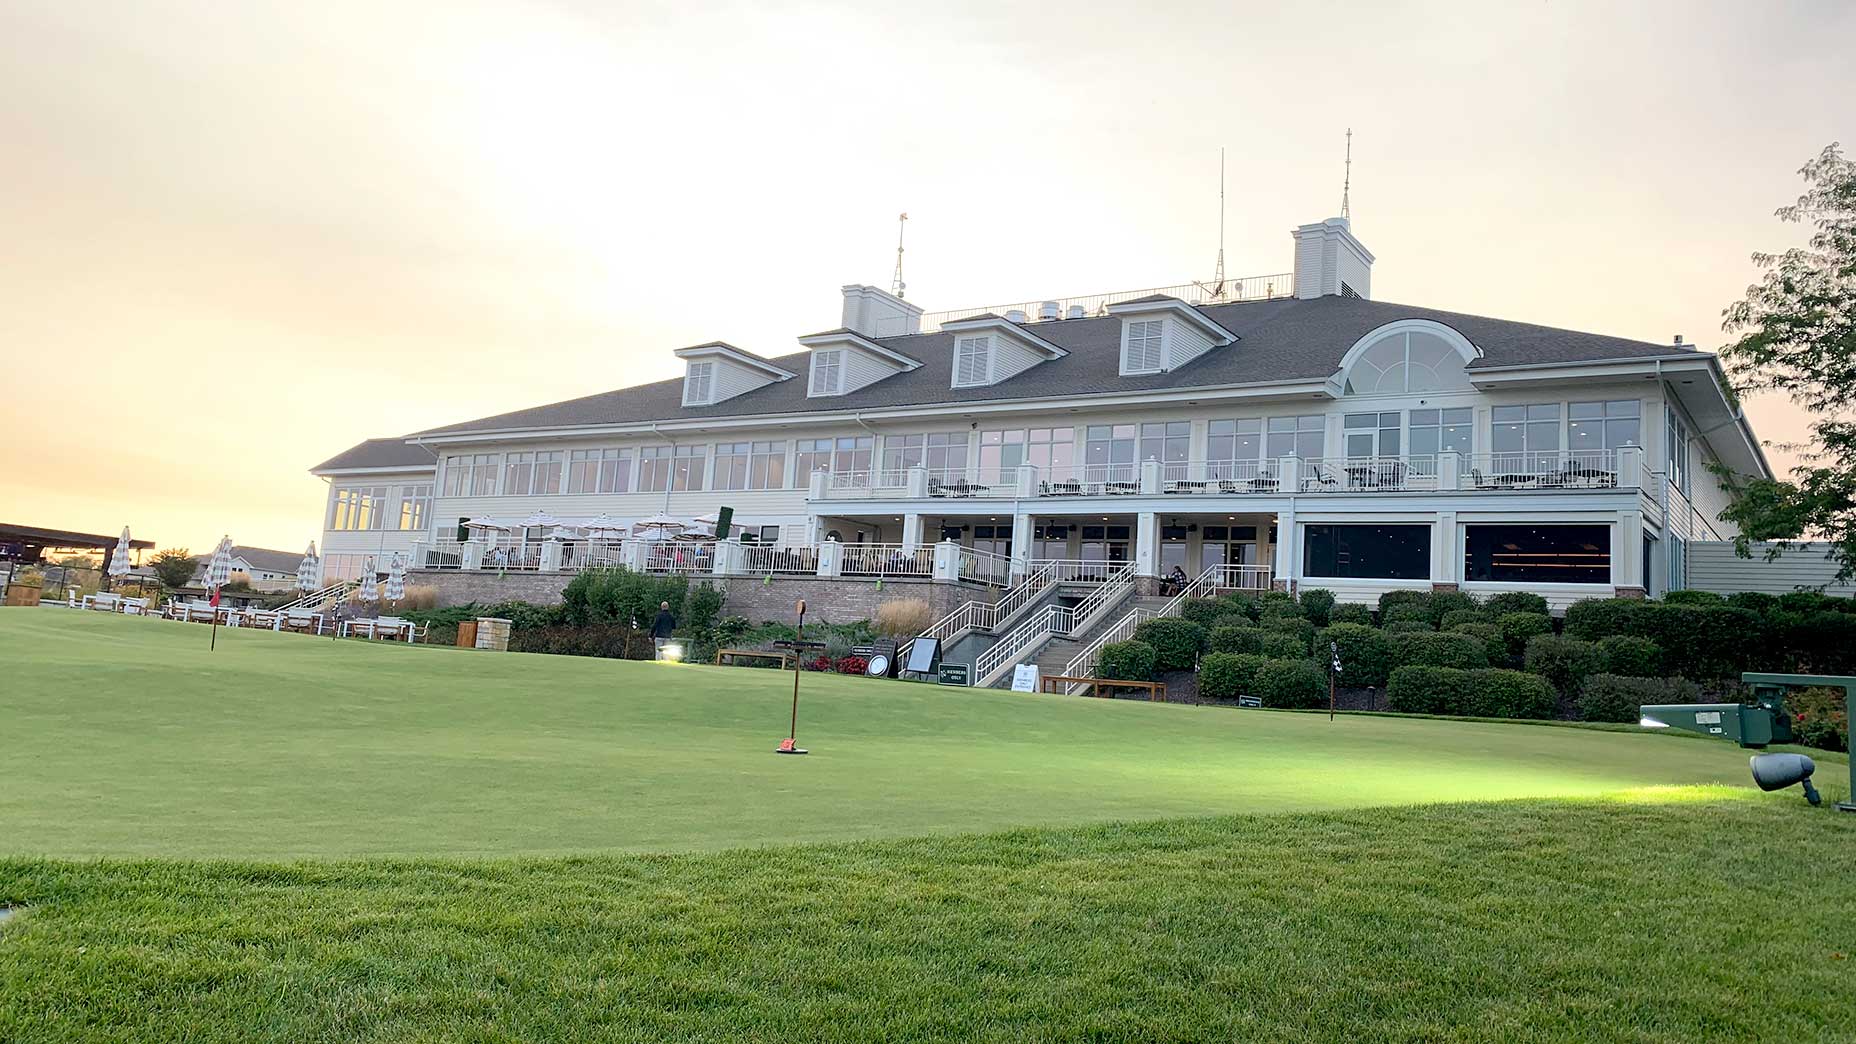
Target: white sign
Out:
[1025,678]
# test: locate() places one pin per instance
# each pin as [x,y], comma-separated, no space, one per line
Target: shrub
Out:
[851,665]
[1699,641]
[620,596]
[1126,661]
[1391,600]
[1206,612]
[1488,692]
[1408,627]
[1222,675]
[1294,626]
[1407,612]
[1351,613]
[1506,602]
[1318,606]
[1758,601]
[1291,684]
[1274,603]
[1277,645]
[1563,661]
[1820,718]
[1612,697]
[1438,649]
[1517,628]
[1461,616]
[1244,604]
[1493,644]
[1442,603]
[1177,643]
[613,641]
[1819,643]
[1595,618]
[903,617]
[1693,598]
[1235,638]
[1630,655]
[1366,655]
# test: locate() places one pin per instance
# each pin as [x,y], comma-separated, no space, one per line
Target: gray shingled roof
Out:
[1286,339]
[380,453]
[262,558]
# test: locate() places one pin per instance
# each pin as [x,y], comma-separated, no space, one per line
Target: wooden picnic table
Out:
[1156,691]
[785,658]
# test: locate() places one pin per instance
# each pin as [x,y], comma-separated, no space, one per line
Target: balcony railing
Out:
[888,560]
[1229,291]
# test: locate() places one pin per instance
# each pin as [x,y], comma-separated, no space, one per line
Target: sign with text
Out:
[1025,678]
[954,674]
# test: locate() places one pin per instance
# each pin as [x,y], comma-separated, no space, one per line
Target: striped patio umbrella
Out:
[603,525]
[119,558]
[370,589]
[396,578]
[658,527]
[309,571]
[219,571]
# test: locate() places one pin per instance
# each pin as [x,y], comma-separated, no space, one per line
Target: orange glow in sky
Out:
[238,238]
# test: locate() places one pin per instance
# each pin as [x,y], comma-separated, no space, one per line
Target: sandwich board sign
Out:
[1025,678]
[952,674]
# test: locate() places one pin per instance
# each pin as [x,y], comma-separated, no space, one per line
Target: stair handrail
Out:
[1213,578]
[338,589]
[975,614]
[1055,620]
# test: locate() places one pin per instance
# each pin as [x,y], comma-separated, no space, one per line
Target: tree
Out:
[1796,332]
[174,567]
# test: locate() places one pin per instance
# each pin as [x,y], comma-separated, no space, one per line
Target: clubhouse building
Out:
[1288,428]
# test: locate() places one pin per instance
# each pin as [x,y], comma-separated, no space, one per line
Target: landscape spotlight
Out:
[1778,771]
[671,652]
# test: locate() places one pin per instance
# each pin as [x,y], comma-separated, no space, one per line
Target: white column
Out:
[473,555]
[1150,476]
[917,483]
[637,553]
[1022,525]
[1627,551]
[1027,480]
[815,485]
[730,558]
[1147,541]
[551,556]
[912,522]
[947,560]
[1289,472]
[830,558]
[1446,560]
[1630,468]
[1449,470]
[814,530]
[1286,567]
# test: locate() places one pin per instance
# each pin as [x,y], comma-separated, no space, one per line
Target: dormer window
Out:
[972,362]
[698,381]
[828,372]
[1142,351]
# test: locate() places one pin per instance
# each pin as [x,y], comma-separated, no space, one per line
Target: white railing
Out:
[1550,469]
[336,591]
[1078,570]
[1090,480]
[762,559]
[985,567]
[888,560]
[439,554]
[859,479]
[1228,291]
[591,554]
[1214,579]
[985,615]
[679,556]
[1368,474]
[956,486]
[1055,620]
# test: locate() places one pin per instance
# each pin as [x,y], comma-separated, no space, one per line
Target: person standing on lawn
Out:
[662,626]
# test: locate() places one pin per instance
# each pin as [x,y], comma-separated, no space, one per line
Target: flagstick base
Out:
[792,750]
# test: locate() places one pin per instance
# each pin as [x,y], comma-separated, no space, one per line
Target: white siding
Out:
[1010,360]
[1713,566]
[1184,343]
[861,370]
[732,380]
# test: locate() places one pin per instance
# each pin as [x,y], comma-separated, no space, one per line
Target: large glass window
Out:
[360,508]
[1604,425]
[670,467]
[1228,545]
[1050,542]
[1675,439]
[946,455]
[1108,452]
[527,474]
[1167,442]
[599,471]
[1414,361]
[900,453]
[1442,431]
[993,538]
[1104,544]
[852,453]
[750,465]
[810,455]
[1296,436]
[415,506]
[1526,436]
[1368,552]
[1371,434]
[1047,449]
[1543,554]
[470,475]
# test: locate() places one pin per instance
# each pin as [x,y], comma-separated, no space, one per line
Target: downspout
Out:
[672,439]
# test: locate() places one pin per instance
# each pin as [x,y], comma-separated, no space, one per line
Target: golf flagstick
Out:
[790,745]
[214,601]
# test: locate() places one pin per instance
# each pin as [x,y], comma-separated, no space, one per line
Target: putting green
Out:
[127,737]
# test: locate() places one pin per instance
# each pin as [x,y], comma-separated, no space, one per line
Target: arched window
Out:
[1408,357]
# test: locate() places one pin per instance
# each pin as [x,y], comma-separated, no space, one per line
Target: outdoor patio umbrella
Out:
[541,520]
[370,588]
[119,558]
[602,525]
[489,524]
[659,526]
[396,578]
[309,571]
[218,572]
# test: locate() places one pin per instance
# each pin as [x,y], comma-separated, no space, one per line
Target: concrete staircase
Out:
[1056,655]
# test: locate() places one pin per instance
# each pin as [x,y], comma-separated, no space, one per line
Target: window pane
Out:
[1538,554]
[1378,552]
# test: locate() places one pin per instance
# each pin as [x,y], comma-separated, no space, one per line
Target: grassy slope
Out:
[126,737]
[1708,914]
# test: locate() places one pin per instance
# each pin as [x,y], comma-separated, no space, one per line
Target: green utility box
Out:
[1754,725]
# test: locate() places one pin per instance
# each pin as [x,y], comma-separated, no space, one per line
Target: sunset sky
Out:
[236,238]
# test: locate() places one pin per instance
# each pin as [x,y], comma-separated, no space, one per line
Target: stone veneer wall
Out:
[828,599]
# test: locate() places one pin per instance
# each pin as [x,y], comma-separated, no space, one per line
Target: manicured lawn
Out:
[1709,915]
[126,737]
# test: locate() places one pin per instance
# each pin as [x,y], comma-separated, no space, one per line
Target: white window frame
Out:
[699,383]
[979,348]
[826,362]
[1151,333]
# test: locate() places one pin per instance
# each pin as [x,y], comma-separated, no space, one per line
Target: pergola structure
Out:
[30,544]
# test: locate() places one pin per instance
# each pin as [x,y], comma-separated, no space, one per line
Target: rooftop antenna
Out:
[1346,184]
[896,285]
[1218,275]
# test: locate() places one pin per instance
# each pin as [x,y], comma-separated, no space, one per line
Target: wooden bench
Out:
[1156,691]
[785,658]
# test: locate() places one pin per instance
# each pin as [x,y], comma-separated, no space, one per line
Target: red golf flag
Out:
[214,601]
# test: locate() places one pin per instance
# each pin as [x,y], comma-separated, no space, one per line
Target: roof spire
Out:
[1346,183]
[1218,275]
[896,285]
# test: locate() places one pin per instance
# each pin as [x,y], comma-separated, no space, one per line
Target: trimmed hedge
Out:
[1318,606]
[1278,645]
[1595,618]
[1235,638]
[1693,598]
[1243,603]
[1506,602]
[1517,628]
[1612,697]
[1293,684]
[1407,612]
[1206,612]
[1488,692]
[1563,661]
[1629,655]
[1455,617]
[1126,661]
[1303,630]
[1222,676]
[1366,655]
[1351,613]
[1407,627]
[1438,649]
[1493,644]
[1177,643]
